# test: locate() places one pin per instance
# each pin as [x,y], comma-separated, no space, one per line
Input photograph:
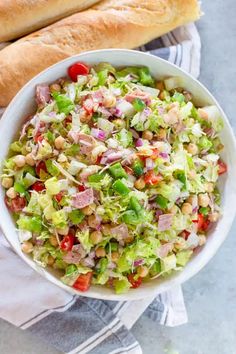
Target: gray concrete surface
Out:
[211,295]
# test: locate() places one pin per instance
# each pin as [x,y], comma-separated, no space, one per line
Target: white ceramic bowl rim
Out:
[123,57]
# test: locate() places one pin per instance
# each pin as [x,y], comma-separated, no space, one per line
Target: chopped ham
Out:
[144,96]
[42,95]
[164,222]
[121,232]
[74,256]
[163,251]
[110,156]
[83,199]
[87,143]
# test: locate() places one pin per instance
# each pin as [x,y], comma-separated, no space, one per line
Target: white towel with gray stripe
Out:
[75,324]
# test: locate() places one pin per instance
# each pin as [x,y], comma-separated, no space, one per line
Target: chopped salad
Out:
[113,179]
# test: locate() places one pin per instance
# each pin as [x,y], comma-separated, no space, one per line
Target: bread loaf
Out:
[19,17]
[110,24]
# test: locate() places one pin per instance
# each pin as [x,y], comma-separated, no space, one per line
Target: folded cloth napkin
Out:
[75,324]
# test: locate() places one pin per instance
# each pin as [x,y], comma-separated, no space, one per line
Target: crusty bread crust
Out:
[110,24]
[19,17]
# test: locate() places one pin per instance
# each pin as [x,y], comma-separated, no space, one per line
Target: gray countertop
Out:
[211,295]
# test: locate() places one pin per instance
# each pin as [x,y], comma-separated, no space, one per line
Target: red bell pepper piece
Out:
[134,283]
[67,243]
[152,178]
[83,282]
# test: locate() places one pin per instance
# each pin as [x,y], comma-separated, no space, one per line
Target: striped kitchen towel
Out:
[75,324]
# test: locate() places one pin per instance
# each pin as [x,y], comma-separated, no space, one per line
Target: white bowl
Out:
[23,104]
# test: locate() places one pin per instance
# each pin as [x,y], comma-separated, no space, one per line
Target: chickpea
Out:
[50,260]
[109,101]
[173,209]
[190,199]
[29,159]
[96,237]
[186,208]
[139,183]
[27,247]
[88,210]
[142,271]
[147,135]
[59,142]
[85,117]
[213,217]
[119,123]
[161,134]
[11,193]
[202,113]
[192,149]
[7,182]
[93,221]
[100,252]
[53,240]
[201,240]
[203,200]
[55,88]
[129,239]
[19,160]
[63,231]
[106,229]
[115,256]
[209,187]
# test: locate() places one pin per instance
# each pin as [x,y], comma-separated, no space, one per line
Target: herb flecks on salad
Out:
[113,179]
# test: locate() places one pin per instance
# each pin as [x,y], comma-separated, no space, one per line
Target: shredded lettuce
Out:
[64,104]
[83,237]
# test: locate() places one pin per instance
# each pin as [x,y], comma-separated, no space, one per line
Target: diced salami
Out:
[42,95]
[83,199]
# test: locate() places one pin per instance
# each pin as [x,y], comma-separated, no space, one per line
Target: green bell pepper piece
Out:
[117,171]
[135,205]
[119,187]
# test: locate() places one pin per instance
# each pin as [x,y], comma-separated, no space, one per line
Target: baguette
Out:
[110,24]
[19,17]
